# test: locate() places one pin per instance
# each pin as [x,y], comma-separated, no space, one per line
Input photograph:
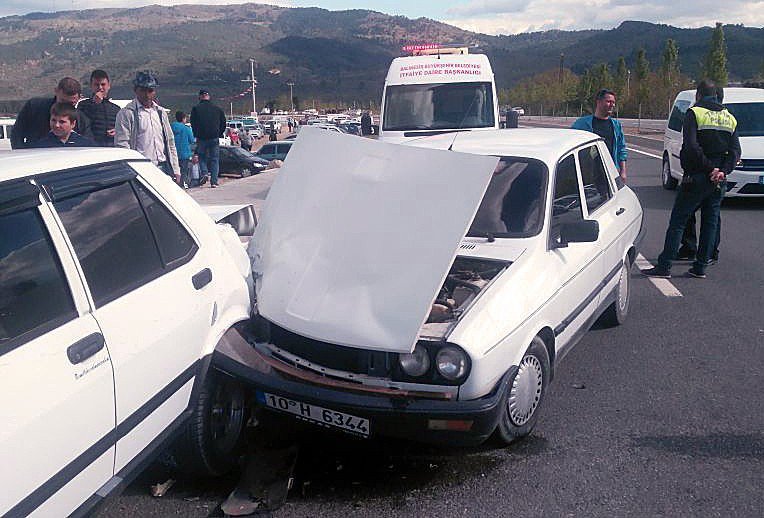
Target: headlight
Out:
[451,363]
[415,364]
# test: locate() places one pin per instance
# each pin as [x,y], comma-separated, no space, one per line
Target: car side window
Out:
[267,150]
[566,204]
[176,246]
[34,294]
[594,176]
[676,119]
[112,239]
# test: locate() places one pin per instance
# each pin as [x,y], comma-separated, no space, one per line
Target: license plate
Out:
[316,414]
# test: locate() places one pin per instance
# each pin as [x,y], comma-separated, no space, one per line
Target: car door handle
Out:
[202,279]
[83,349]
[620,211]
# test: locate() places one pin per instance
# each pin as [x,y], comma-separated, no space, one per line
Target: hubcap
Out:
[666,173]
[623,290]
[526,390]
[226,416]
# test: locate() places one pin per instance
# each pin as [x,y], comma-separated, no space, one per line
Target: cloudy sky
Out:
[488,16]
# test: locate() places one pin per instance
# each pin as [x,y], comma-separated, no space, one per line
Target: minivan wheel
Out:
[668,181]
[209,444]
[525,394]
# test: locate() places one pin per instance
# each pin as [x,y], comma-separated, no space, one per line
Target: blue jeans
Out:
[209,155]
[700,193]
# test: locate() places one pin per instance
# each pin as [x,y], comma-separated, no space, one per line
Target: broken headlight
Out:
[452,363]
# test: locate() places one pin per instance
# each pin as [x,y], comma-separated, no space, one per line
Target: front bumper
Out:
[745,183]
[408,417]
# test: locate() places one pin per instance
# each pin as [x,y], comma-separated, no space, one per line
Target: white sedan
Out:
[429,291]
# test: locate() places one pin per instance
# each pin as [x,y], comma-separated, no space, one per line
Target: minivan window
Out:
[594,177]
[112,239]
[676,119]
[34,294]
[435,106]
[750,118]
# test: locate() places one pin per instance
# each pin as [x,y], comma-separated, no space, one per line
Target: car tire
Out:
[211,439]
[668,181]
[245,172]
[525,393]
[616,313]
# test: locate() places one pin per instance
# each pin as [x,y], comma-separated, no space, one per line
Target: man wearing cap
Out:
[209,124]
[143,125]
[33,121]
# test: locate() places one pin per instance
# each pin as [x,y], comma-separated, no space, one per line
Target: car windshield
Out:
[438,106]
[513,204]
[750,118]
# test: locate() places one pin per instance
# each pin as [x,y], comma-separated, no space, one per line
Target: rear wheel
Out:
[209,444]
[526,393]
[668,181]
[617,312]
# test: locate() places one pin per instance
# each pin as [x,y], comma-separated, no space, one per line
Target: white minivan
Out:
[6,127]
[747,105]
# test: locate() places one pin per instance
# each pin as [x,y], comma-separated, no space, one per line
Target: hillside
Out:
[331,55]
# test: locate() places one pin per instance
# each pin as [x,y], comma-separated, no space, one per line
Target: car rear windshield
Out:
[436,106]
[513,204]
[750,118]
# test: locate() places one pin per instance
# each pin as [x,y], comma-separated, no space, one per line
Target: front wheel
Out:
[209,444]
[668,181]
[526,393]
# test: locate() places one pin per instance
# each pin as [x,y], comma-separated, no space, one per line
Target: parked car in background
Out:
[254,129]
[115,288]
[747,105]
[276,150]
[238,161]
[6,127]
[377,322]
[519,110]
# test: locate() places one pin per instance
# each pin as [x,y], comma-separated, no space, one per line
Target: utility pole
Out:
[290,84]
[253,83]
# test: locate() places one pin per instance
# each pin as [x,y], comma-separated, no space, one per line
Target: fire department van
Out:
[437,90]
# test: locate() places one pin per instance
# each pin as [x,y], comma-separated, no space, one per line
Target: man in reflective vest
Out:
[710,150]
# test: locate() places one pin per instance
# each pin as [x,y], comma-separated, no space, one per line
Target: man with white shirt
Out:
[143,125]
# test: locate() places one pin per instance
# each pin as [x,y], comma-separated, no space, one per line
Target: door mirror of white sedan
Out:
[583,231]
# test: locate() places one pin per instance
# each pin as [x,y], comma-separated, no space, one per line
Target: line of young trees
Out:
[644,92]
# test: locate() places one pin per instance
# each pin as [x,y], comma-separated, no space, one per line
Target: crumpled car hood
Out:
[357,236]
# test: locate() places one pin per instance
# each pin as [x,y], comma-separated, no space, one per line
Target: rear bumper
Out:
[417,419]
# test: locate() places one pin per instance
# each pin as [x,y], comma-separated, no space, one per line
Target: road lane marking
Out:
[645,153]
[663,285]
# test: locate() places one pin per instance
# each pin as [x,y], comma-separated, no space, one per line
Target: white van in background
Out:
[747,105]
[6,127]
[438,90]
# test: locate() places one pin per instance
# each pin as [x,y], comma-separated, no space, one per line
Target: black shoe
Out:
[657,271]
[685,255]
[203,179]
[692,272]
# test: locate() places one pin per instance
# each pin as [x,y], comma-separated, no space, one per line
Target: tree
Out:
[716,60]
[670,63]
[620,81]
[643,71]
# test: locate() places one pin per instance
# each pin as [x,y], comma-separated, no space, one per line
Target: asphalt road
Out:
[662,416]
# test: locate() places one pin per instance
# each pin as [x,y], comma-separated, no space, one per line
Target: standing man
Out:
[603,124]
[33,121]
[710,151]
[100,110]
[143,125]
[184,139]
[365,124]
[63,120]
[208,123]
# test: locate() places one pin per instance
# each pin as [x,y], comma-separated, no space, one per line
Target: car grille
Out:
[752,188]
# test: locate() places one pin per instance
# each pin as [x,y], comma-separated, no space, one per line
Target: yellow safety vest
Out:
[721,120]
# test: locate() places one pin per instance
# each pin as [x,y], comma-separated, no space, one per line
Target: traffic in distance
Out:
[339,312]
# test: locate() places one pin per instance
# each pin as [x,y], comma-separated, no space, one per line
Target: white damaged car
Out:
[429,291]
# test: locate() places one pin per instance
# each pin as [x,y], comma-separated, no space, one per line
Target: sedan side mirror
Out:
[584,231]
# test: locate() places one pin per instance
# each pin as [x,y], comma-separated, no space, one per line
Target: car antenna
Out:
[489,236]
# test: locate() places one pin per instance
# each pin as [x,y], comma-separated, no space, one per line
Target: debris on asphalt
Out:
[579,386]
[159,490]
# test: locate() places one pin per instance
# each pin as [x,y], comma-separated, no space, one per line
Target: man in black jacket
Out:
[710,151]
[208,123]
[99,109]
[33,121]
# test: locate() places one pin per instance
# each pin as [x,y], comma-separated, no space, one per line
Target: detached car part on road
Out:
[429,291]
[115,288]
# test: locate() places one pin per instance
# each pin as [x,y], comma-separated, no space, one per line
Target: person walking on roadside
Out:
[184,139]
[365,124]
[209,124]
[710,151]
[33,121]
[246,139]
[143,125]
[603,124]
[63,121]
[100,110]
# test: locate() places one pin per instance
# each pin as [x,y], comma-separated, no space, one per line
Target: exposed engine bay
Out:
[467,277]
